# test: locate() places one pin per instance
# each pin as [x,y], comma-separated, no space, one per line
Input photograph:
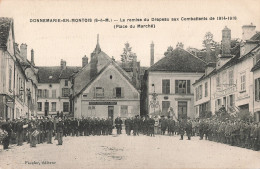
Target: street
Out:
[129,152]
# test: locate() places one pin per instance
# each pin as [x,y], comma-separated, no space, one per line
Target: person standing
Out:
[181,128]
[33,135]
[188,129]
[49,128]
[7,133]
[59,130]
[118,123]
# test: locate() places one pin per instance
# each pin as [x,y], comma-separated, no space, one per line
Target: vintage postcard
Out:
[129,84]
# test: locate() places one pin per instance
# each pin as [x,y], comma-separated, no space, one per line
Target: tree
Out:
[208,41]
[127,55]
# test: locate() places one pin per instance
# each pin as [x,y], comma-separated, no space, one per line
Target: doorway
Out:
[182,110]
[111,112]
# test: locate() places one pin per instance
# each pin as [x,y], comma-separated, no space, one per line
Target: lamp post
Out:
[154,103]
[28,99]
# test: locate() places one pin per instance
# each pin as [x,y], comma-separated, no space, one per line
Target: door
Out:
[46,108]
[182,110]
[111,112]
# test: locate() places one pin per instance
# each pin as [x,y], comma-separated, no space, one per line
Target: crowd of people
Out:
[43,129]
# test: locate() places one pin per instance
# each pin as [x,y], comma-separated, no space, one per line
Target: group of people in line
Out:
[43,129]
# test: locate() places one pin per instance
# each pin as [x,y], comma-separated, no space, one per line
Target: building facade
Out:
[231,81]
[54,90]
[103,89]
[168,89]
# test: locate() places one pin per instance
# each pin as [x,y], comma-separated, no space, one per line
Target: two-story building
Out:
[103,89]
[168,87]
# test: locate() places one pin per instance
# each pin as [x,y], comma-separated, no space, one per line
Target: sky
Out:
[70,41]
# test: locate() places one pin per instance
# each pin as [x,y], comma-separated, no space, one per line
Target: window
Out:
[39,106]
[124,111]
[231,100]
[182,86]
[182,110]
[257,89]
[166,86]
[46,93]
[39,93]
[65,106]
[53,93]
[99,92]
[206,89]
[224,79]
[65,92]
[200,92]
[231,77]
[243,81]
[10,79]
[53,106]
[118,92]
[66,82]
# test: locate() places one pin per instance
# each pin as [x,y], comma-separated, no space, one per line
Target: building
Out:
[7,66]
[230,83]
[103,89]
[167,88]
[18,76]
[54,89]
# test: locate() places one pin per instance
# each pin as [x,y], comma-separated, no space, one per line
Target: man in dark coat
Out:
[49,128]
[7,128]
[19,132]
[188,129]
[118,123]
[181,128]
[59,130]
[163,125]
[127,126]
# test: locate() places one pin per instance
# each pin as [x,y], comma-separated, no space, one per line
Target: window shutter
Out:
[256,90]
[114,92]
[122,92]
[176,86]
[47,93]
[188,86]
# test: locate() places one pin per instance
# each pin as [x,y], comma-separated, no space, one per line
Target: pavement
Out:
[122,151]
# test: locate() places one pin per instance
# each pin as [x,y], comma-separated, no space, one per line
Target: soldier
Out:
[151,126]
[49,129]
[7,130]
[181,128]
[201,129]
[19,132]
[60,128]
[171,127]
[163,125]
[127,126]
[135,126]
[188,129]
[34,134]
[118,123]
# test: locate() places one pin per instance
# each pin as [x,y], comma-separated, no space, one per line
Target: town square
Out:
[81,89]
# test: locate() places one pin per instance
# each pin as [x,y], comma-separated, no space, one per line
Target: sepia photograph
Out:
[129,84]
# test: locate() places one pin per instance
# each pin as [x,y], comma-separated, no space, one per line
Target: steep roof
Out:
[53,74]
[179,60]
[5,24]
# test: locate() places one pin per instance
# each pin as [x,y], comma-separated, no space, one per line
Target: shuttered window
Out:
[182,86]
[166,86]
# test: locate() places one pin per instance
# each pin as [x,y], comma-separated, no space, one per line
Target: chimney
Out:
[84,61]
[226,41]
[32,57]
[248,31]
[16,47]
[180,45]
[63,64]
[23,50]
[152,54]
